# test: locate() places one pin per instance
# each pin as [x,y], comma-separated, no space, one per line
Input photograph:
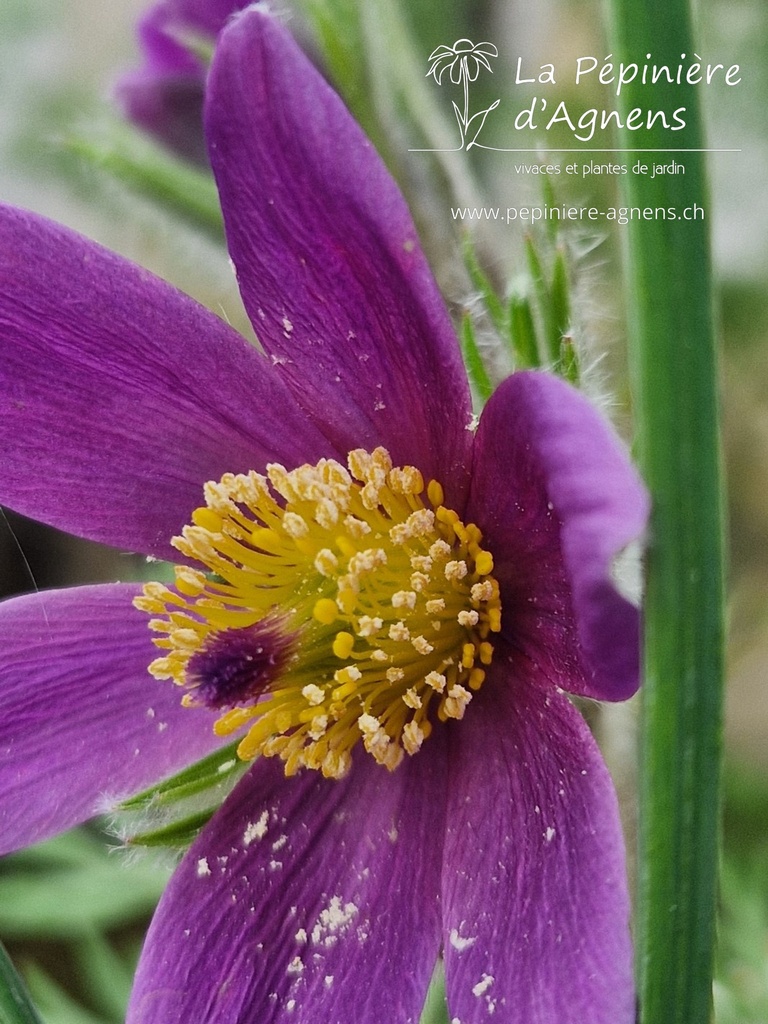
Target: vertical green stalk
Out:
[673,365]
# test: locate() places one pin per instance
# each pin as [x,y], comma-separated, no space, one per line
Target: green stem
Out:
[674,369]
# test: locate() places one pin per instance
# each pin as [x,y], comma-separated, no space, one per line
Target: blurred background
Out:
[72,912]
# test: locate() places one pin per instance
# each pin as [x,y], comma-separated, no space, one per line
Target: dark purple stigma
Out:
[236,666]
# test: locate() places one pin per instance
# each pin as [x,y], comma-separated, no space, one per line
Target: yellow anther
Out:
[484,563]
[350,674]
[461,532]
[435,493]
[326,562]
[412,699]
[325,611]
[207,519]
[468,655]
[343,645]
[494,619]
[358,461]
[265,539]
[346,600]
[345,546]
[231,721]
[476,678]
[295,525]
[482,592]
[446,515]
[406,480]
[313,694]
[486,653]
[189,581]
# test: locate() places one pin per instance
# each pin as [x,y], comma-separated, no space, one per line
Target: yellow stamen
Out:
[341,605]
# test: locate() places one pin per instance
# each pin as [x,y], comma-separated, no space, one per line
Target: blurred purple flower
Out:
[306,898]
[165,96]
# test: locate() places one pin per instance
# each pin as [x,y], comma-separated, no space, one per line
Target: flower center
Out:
[338,605]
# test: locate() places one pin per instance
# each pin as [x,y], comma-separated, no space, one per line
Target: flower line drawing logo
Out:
[463,61]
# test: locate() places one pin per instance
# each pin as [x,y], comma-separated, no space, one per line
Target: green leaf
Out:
[77,899]
[151,172]
[674,375]
[56,1005]
[106,977]
[15,1002]
[338,30]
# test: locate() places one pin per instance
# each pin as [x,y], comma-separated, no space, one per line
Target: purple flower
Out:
[165,96]
[478,567]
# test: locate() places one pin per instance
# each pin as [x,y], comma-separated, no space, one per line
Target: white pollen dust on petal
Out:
[257,829]
[460,943]
[483,985]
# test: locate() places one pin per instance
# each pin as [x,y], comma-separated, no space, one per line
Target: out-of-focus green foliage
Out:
[72,912]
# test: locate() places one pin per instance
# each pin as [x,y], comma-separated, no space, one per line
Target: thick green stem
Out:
[673,365]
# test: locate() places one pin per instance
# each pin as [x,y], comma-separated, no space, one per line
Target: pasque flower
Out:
[164,97]
[382,603]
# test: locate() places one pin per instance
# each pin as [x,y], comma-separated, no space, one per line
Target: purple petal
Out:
[81,721]
[165,96]
[168,107]
[208,16]
[557,500]
[329,264]
[536,912]
[304,900]
[120,397]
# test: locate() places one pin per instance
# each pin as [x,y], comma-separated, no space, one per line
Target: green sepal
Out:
[478,375]
[493,304]
[178,834]
[522,333]
[173,812]
[209,772]
[152,173]
[435,1008]
[569,360]
[559,295]
[552,334]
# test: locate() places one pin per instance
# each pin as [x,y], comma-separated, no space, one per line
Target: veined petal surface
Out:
[535,904]
[82,723]
[329,264]
[557,500]
[304,900]
[120,396]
